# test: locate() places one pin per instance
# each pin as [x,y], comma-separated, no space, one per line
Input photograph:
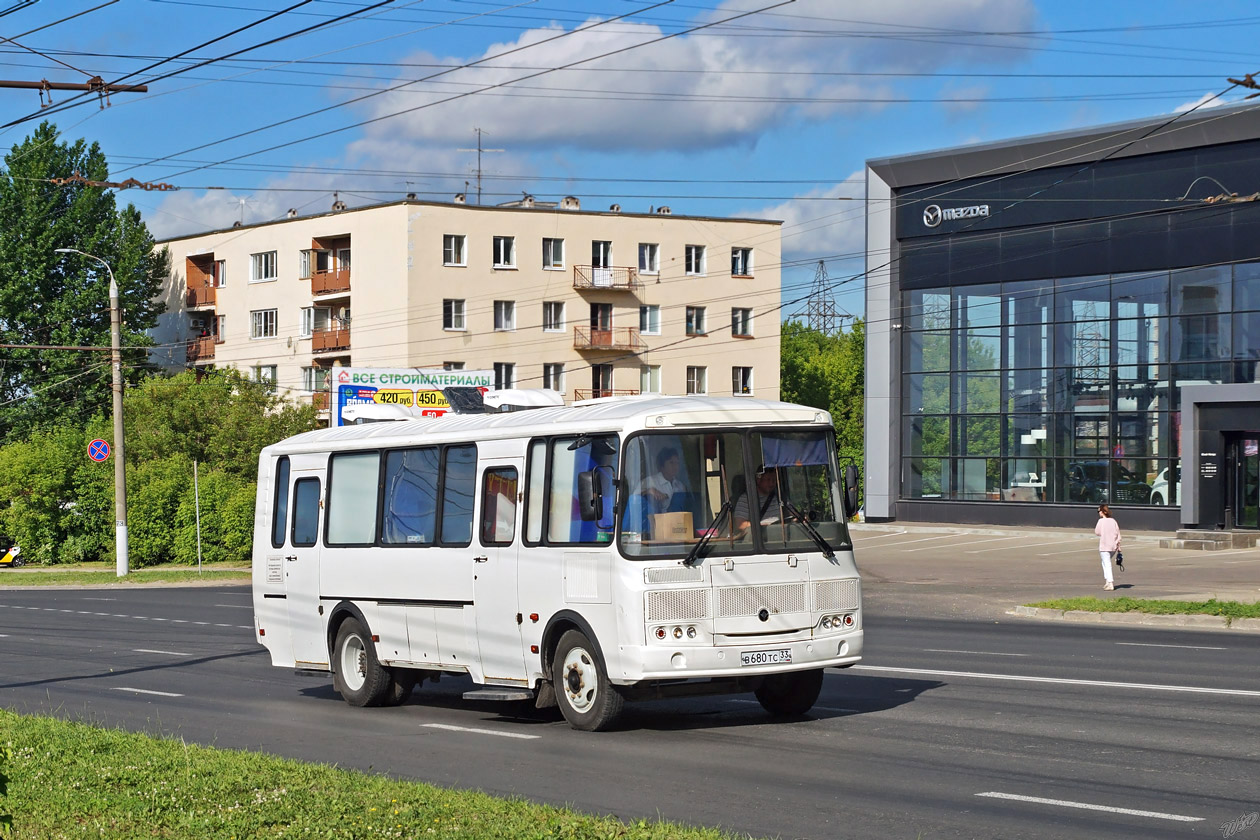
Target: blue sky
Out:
[769,115]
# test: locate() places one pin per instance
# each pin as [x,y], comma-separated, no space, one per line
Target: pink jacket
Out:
[1108,531]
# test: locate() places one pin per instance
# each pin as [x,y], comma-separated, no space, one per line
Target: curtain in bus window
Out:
[280,510]
[351,504]
[458,486]
[795,451]
[305,512]
[564,523]
[410,515]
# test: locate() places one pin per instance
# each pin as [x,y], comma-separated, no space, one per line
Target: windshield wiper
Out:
[827,550]
[694,554]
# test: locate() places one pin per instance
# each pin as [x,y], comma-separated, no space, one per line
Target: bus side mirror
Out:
[590,496]
[850,490]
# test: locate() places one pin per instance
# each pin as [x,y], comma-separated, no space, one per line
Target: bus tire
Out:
[791,694]
[587,698]
[358,675]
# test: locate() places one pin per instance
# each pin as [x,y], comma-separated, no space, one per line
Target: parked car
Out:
[1087,482]
[1159,487]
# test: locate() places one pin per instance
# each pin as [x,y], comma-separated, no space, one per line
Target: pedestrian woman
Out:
[1108,531]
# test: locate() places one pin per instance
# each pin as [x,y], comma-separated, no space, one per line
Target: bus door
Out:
[495,571]
[301,571]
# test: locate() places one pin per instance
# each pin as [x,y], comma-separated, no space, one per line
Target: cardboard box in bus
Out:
[672,527]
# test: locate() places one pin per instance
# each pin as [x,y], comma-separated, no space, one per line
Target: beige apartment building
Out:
[547,295]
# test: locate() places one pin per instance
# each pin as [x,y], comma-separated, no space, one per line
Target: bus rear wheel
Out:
[792,694]
[358,676]
[586,697]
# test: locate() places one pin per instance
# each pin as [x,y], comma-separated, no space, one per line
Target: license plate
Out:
[766,657]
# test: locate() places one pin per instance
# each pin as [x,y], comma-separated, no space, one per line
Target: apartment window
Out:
[649,258]
[304,265]
[453,314]
[741,322]
[741,262]
[601,253]
[553,316]
[601,380]
[504,315]
[453,249]
[650,319]
[695,320]
[262,266]
[343,259]
[220,325]
[262,323]
[741,380]
[218,274]
[504,375]
[553,376]
[553,253]
[694,259]
[601,316]
[314,318]
[452,365]
[650,379]
[313,379]
[265,374]
[505,252]
[697,380]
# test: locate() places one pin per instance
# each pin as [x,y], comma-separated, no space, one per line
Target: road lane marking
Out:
[1184,647]
[1190,689]
[501,734]
[924,539]
[144,691]
[1007,547]
[959,545]
[236,606]
[1110,809]
[100,599]
[163,652]
[975,652]
[881,536]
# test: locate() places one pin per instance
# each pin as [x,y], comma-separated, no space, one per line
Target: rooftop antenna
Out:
[478,170]
[242,202]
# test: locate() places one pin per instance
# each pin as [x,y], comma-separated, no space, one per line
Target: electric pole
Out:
[479,150]
[820,309]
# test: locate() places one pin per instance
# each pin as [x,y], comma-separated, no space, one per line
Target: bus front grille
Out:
[678,605]
[837,595]
[739,601]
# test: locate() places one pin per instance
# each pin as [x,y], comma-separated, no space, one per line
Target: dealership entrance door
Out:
[1242,478]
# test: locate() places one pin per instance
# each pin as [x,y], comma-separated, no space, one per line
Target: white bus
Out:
[582,556]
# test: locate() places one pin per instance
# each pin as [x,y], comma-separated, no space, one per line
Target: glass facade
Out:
[1066,389]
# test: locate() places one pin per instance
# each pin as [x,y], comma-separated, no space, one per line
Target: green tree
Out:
[51,298]
[827,371]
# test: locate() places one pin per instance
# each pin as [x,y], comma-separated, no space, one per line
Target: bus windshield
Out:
[745,489]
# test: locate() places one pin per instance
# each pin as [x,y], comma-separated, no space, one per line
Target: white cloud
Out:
[740,81]
[1207,100]
[814,227]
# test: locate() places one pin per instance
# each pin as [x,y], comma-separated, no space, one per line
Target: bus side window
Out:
[498,506]
[411,491]
[305,512]
[459,483]
[534,495]
[280,505]
[353,481]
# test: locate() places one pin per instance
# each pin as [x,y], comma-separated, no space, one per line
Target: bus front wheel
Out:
[358,676]
[588,700]
[791,694]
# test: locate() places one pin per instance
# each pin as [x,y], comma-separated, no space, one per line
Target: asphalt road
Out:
[950,728]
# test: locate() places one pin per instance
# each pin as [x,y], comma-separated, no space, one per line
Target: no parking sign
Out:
[98,450]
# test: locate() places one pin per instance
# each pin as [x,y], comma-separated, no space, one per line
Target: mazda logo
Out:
[932,215]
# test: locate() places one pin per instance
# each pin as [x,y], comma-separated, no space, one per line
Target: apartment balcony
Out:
[599,393]
[200,297]
[320,400]
[612,278]
[330,282]
[200,350]
[621,338]
[332,340]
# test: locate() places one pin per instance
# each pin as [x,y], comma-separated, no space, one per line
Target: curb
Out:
[1137,619]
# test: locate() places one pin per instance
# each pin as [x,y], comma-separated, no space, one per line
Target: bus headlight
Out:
[660,632]
[691,632]
[678,632]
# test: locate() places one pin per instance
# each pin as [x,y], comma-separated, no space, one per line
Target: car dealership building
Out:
[1068,319]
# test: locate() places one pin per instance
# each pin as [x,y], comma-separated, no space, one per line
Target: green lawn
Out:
[97,573]
[1232,609]
[71,780]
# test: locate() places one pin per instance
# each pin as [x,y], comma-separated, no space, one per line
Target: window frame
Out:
[505,316]
[646,309]
[481,507]
[549,261]
[507,367]
[558,325]
[735,392]
[741,258]
[647,370]
[695,322]
[275,324]
[281,463]
[496,252]
[556,369]
[703,380]
[449,303]
[748,321]
[293,528]
[694,260]
[544,511]
[268,257]
[328,499]
[448,241]
[654,261]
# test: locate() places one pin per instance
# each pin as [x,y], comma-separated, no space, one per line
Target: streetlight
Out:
[120,482]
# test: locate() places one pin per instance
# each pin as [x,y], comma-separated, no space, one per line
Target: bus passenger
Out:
[662,487]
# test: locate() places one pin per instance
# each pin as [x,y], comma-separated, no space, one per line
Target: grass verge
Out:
[70,780]
[1231,609]
[80,575]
